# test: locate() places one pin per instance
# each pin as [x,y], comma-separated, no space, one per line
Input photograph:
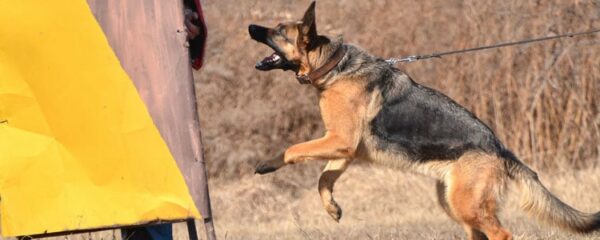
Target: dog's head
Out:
[292,41]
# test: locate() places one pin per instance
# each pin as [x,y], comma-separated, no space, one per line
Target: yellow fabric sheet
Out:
[78,148]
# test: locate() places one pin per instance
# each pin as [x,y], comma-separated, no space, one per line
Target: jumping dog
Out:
[374,112]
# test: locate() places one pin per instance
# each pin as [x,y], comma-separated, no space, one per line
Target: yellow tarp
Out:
[78,148]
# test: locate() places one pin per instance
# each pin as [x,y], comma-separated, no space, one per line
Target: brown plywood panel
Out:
[149,39]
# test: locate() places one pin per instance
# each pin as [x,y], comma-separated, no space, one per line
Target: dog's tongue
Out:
[268,61]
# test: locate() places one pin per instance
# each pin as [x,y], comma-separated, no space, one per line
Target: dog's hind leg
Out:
[474,186]
[441,190]
[330,174]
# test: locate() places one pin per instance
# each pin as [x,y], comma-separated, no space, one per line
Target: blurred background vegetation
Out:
[541,99]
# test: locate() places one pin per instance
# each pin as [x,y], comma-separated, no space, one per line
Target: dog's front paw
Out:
[334,210]
[271,165]
[267,167]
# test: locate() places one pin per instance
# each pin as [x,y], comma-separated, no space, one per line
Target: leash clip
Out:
[409,59]
[393,61]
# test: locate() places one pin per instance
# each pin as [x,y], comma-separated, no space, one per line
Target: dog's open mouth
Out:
[275,61]
[270,62]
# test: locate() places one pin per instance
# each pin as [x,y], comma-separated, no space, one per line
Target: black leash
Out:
[439,55]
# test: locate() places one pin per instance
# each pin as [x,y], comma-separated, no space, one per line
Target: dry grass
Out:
[378,203]
[541,99]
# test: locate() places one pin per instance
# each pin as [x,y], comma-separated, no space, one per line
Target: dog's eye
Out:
[281,31]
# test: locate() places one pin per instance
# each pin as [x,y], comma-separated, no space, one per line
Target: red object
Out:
[198,60]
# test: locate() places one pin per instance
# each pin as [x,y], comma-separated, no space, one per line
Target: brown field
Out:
[541,99]
[378,203]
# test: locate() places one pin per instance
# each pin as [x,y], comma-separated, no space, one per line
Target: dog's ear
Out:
[308,29]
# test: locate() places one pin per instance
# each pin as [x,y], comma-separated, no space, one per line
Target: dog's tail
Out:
[541,204]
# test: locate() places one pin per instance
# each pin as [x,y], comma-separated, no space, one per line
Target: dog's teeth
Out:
[275,57]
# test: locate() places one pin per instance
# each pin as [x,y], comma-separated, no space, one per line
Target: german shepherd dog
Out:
[374,112]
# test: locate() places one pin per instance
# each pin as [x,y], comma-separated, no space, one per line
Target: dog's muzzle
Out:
[274,61]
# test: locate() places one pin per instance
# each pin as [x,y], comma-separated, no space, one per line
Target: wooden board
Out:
[148,36]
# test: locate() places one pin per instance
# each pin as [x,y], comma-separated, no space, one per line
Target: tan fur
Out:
[475,184]
[331,173]
[342,107]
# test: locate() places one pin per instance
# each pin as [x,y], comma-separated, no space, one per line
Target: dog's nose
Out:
[258,33]
[252,28]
